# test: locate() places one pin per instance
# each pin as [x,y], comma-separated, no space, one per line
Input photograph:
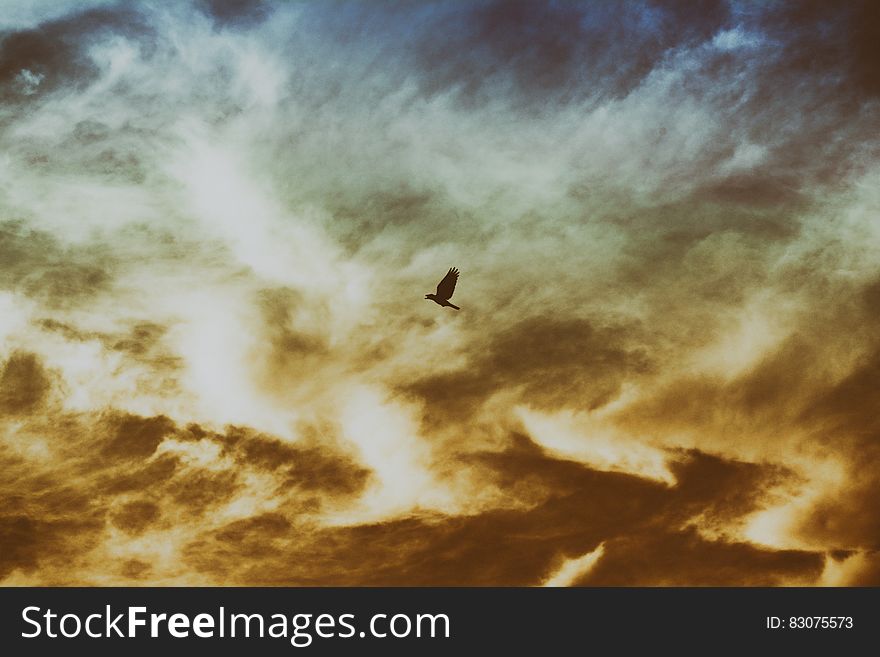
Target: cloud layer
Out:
[218,220]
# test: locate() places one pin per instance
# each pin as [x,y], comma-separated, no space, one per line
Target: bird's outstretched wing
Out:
[446,287]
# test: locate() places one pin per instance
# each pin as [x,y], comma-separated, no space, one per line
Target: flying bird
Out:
[445,288]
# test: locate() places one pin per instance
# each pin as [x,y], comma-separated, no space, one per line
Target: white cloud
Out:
[573,569]
[28,81]
[587,437]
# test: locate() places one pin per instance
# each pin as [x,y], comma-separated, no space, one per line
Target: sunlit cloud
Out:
[218,222]
[572,569]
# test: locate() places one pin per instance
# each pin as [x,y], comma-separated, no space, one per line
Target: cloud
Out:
[544,362]
[51,50]
[23,384]
[564,510]
[679,559]
[218,220]
[574,569]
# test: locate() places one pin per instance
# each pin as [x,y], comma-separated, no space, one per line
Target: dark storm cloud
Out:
[311,466]
[197,493]
[495,547]
[571,510]
[57,514]
[136,437]
[47,520]
[24,384]
[134,569]
[550,361]
[135,517]
[56,49]
[684,558]
[47,526]
[721,490]
[26,542]
[150,474]
[308,467]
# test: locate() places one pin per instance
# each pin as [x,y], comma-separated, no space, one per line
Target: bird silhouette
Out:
[445,288]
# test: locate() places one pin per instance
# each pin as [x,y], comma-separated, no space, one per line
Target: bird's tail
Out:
[452,305]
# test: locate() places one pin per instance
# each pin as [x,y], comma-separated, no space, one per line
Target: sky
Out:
[219,219]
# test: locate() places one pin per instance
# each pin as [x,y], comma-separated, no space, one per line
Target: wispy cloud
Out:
[218,220]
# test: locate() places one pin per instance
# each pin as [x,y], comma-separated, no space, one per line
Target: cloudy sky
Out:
[219,219]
